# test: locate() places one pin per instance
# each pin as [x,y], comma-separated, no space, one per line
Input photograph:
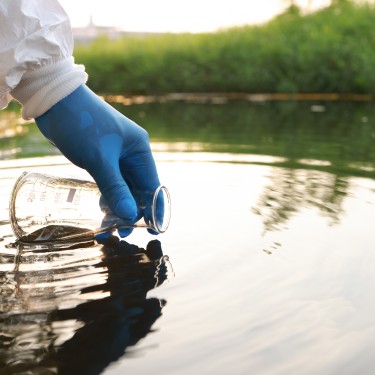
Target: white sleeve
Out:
[36,63]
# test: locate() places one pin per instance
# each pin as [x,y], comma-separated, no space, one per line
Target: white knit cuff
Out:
[40,89]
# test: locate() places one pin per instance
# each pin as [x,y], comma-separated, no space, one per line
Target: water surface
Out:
[267,267]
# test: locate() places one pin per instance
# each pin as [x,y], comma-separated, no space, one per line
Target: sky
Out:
[177,15]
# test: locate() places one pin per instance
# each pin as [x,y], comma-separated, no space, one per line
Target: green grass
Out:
[332,50]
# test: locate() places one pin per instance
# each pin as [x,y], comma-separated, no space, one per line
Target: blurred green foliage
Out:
[341,135]
[331,50]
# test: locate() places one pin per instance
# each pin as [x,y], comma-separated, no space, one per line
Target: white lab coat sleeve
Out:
[36,55]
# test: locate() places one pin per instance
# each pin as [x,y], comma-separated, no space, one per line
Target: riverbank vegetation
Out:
[331,50]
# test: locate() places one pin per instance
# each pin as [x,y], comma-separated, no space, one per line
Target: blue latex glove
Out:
[113,149]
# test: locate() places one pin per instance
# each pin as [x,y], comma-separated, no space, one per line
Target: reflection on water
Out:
[295,180]
[292,190]
[336,137]
[75,309]
[264,314]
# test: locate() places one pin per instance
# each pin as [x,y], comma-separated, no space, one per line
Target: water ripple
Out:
[74,309]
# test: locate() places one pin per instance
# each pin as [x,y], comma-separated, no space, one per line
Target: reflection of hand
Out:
[122,318]
[112,148]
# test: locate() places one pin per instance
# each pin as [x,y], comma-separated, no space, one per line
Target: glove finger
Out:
[124,232]
[103,236]
[152,232]
[112,221]
[143,179]
[140,172]
[115,191]
[154,213]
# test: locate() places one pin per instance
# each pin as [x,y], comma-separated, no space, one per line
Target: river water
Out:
[268,266]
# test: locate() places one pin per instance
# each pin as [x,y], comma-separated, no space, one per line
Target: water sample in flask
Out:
[48,208]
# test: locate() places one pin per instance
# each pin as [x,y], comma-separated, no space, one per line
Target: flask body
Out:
[43,203]
[44,208]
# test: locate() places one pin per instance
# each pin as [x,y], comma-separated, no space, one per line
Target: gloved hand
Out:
[113,149]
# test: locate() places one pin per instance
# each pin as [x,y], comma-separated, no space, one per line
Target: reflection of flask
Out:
[45,208]
[78,317]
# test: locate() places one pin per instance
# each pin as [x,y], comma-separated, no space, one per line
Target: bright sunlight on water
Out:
[267,266]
